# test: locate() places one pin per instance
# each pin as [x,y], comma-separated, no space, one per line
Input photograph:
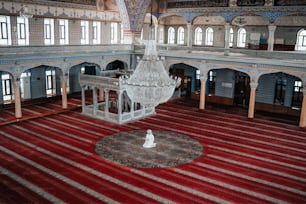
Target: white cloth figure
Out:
[149,143]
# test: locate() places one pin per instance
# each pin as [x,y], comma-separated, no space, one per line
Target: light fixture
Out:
[240,21]
[150,84]
[24,12]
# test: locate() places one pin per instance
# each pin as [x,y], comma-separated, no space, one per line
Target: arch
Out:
[172,20]
[190,82]
[40,82]
[301,40]
[251,19]
[208,19]
[280,88]
[76,70]
[115,65]
[292,19]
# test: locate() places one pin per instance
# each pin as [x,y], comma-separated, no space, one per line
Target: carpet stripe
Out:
[59,131]
[178,186]
[231,118]
[53,140]
[87,169]
[237,128]
[282,187]
[258,168]
[151,121]
[29,185]
[58,176]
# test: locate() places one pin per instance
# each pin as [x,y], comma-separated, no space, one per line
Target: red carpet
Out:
[52,159]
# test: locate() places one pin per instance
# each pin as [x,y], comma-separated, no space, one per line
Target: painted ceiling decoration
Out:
[203,3]
[133,13]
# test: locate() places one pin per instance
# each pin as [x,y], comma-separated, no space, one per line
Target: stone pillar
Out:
[235,29]
[202,93]
[18,112]
[189,35]
[252,100]
[95,100]
[106,108]
[303,110]
[119,102]
[64,92]
[227,38]
[272,29]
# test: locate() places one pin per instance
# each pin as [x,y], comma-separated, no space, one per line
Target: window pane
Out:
[4,30]
[47,31]
[21,33]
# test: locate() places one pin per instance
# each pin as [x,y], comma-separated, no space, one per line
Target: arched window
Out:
[198,36]
[180,36]
[241,38]
[171,35]
[209,40]
[231,37]
[301,40]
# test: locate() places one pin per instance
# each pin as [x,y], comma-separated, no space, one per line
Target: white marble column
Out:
[95,100]
[252,100]
[189,35]
[227,35]
[271,29]
[235,37]
[119,102]
[227,38]
[83,98]
[18,112]
[106,108]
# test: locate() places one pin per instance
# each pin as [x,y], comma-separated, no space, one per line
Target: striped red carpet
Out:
[52,160]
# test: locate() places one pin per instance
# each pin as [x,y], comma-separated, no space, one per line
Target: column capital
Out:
[253,85]
[227,26]
[272,28]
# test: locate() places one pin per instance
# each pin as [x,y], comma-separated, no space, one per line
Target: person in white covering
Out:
[149,143]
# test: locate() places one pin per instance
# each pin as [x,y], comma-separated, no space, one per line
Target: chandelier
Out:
[150,84]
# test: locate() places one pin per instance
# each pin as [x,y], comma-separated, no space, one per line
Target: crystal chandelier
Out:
[150,84]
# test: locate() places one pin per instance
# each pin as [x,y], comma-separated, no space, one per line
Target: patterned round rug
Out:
[172,149]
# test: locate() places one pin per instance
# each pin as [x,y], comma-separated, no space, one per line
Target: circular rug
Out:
[172,149]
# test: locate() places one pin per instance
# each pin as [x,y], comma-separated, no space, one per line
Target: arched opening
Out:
[279,93]
[75,71]
[228,87]
[40,82]
[190,76]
